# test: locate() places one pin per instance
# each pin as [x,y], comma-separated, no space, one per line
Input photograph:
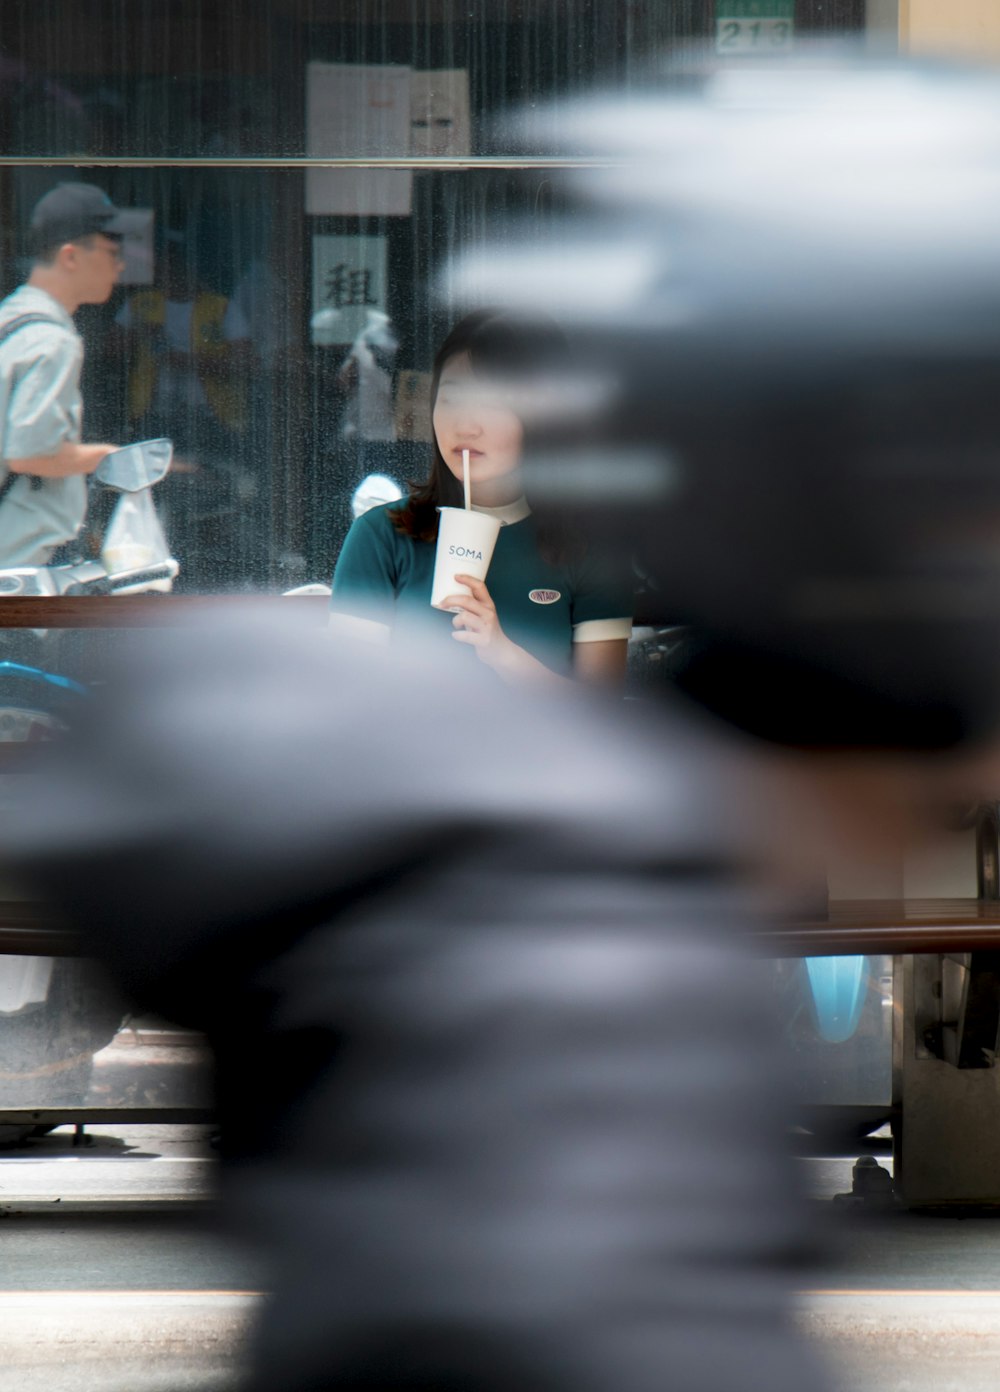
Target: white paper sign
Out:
[349,279]
[358,112]
[413,406]
[439,112]
[137,246]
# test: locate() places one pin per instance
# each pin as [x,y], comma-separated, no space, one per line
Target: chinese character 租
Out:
[346,287]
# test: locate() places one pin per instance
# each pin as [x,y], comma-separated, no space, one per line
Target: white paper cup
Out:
[464,547]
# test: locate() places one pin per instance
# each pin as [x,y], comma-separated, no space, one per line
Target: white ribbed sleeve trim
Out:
[601,630]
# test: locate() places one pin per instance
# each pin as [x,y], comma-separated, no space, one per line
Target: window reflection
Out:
[278,324]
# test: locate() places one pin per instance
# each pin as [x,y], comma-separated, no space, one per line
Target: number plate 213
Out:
[742,36]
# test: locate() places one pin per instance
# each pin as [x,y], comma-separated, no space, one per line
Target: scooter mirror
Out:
[138,466]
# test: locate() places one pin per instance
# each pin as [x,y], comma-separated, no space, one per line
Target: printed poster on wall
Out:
[439,113]
[349,279]
[413,406]
[353,111]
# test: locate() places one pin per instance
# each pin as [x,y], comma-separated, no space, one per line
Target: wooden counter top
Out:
[889,926]
[852,926]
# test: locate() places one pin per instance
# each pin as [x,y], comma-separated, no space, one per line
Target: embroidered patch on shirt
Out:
[544,596]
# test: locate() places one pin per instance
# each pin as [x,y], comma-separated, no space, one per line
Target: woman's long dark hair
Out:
[501,346]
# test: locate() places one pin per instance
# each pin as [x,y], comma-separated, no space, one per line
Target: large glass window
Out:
[298,172]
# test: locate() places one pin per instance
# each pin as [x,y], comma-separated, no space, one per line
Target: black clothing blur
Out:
[498,1089]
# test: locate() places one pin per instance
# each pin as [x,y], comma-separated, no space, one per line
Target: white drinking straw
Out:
[465,479]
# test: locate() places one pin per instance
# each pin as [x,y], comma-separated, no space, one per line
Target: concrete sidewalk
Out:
[123,1341]
[907,1341]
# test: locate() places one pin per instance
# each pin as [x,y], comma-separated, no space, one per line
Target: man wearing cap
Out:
[76,236]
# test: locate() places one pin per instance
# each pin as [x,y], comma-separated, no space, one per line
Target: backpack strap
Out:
[21,321]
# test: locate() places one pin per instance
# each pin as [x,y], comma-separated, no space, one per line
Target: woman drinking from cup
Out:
[546,610]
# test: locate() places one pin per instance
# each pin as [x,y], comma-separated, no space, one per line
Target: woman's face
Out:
[471,413]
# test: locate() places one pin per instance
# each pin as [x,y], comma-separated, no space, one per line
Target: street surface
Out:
[115,1276]
[906,1302]
[114,1273]
[118,1165]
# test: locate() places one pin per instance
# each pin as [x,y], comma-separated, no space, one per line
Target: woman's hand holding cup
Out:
[476,624]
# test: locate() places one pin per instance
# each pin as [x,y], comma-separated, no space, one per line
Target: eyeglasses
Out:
[111,248]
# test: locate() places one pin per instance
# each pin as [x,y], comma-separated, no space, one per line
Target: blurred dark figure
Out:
[498,1089]
[787,324]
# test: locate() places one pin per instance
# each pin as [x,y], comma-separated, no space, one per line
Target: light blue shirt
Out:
[40,409]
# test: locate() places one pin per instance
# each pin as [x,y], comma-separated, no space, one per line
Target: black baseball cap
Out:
[70,212]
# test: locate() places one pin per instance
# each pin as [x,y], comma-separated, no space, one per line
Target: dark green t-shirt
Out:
[385,576]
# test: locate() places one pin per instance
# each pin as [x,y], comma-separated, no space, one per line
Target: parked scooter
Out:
[134,557]
[56,1013]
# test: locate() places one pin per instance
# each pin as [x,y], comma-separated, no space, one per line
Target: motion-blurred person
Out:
[496,1081]
[190,350]
[76,235]
[190,359]
[786,385]
[496,1086]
